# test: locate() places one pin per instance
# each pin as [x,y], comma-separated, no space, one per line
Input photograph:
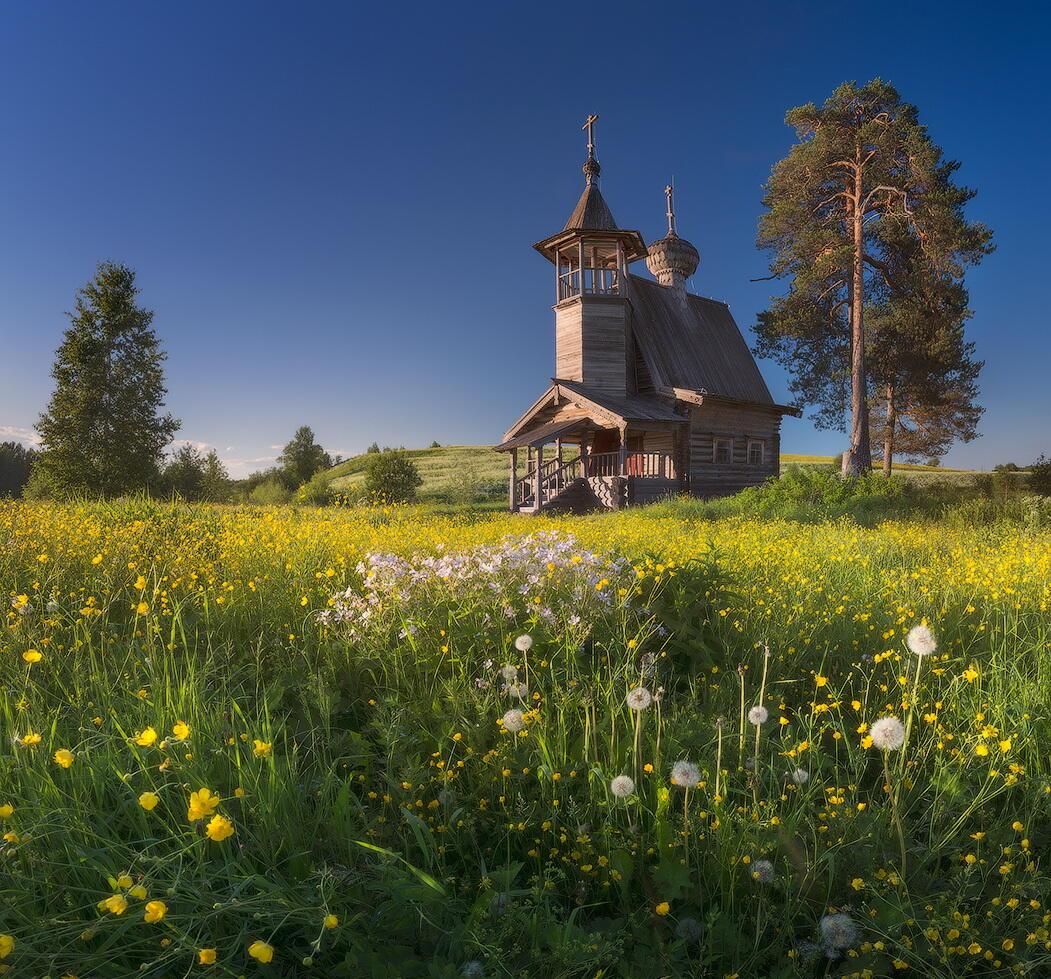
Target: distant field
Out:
[446,468]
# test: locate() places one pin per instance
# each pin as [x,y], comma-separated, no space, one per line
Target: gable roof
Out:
[603,411]
[694,345]
[629,407]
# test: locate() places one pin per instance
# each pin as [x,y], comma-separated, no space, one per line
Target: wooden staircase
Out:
[556,487]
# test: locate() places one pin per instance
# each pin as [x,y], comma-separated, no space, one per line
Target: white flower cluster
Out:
[534,575]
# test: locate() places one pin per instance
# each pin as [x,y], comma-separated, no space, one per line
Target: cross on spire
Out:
[589,125]
[669,193]
[591,167]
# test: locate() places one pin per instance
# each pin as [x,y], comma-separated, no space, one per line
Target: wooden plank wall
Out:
[738,423]
[591,342]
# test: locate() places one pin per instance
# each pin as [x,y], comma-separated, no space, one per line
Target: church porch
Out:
[580,465]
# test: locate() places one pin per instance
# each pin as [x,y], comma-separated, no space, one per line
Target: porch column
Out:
[623,465]
[513,489]
[584,455]
[536,475]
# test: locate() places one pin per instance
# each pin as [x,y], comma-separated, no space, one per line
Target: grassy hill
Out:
[448,469]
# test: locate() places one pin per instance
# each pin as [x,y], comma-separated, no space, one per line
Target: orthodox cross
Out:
[589,125]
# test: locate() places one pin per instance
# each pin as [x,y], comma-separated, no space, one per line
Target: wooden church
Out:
[654,387]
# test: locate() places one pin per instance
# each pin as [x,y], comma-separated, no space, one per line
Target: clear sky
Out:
[331,206]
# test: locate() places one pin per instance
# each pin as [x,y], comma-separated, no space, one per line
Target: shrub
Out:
[1039,480]
[391,476]
[317,491]
[270,493]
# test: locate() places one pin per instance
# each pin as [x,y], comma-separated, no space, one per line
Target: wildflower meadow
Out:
[390,742]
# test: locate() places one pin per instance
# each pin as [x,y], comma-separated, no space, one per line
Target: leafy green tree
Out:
[194,475]
[924,377]
[1039,480]
[302,457]
[16,463]
[392,476]
[104,433]
[372,449]
[863,176]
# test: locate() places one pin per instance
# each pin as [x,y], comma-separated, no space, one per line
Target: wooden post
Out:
[623,464]
[580,260]
[536,476]
[584,455]
[514,478]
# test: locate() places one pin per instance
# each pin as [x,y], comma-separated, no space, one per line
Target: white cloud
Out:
[28,436]
[199,446]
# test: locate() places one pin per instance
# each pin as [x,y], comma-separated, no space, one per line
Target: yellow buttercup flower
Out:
[155,911]
[32,656]
[114,904]
[261,952]
[206,956]
[180,730]
[663,908]
[219,828]
[138,892]
[261,748]
[146,738]
[331,921]
[7,810]
[7,945]
[203,803]
[64,758]
[149,801]
[31,739]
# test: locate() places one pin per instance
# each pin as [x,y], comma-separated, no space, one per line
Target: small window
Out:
[756,452]
[722,451]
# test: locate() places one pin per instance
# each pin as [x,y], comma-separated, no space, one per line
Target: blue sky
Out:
[331,206]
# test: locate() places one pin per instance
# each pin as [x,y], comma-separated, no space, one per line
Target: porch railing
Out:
[534,489]
[648,465]
[554,477]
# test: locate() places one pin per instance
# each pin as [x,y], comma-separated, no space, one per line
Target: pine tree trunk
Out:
[888,432]
[859,457]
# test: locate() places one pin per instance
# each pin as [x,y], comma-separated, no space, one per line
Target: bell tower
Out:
[591,256]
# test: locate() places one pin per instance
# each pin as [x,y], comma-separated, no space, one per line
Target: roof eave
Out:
[635,246]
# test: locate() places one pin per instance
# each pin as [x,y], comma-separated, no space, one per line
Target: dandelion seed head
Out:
[524,643]
[685,774]
[758,715]
[763,871]
[513,721]
[839,931]
[639,699]
[921,640]
[622,786]
[888,734]
[800,776]
[689,930]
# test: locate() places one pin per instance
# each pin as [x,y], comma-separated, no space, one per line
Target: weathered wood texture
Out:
[693,344]
[737,425]
[591,342]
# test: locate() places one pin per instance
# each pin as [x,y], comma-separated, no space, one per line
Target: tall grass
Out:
[347,712]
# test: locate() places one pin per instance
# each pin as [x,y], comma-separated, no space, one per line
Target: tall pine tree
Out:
[104,432]
[863,176]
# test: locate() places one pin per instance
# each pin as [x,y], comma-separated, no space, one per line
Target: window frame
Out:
[725,440]
[762,451]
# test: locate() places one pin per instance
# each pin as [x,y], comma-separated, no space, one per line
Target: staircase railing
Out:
[555,476]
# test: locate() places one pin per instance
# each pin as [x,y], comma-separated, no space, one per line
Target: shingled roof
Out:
[592,213]
[694,344]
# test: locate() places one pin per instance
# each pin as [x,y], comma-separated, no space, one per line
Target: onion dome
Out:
[672,260]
